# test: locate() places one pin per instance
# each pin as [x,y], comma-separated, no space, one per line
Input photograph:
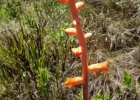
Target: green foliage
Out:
[80,96]
[139,80]
[31,62]
[127,79]
[118,90]
[101,96]
[3,13]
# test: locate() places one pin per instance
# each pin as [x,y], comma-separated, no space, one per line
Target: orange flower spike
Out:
[70,31]
[79,5]
[70,82]
[98,67]
[77,51]
[63,1]
[87,35]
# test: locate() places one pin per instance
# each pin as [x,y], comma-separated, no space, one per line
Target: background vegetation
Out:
[35,56]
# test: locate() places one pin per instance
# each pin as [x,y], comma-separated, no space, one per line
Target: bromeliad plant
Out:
[81,50]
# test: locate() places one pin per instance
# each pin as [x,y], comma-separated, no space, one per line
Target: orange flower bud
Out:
[73,81]
[77,51]
[79,5]
[62,1]
[87,35]
[98,67]
[70,31]
[76,21]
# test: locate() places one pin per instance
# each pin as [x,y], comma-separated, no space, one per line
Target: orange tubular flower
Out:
[98,67]
[87,35]
[77,51]
[79,5]
[73,81]
[63,1]
[70,31]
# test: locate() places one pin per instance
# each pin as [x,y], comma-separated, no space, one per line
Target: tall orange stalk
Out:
[81,50]
[82,43]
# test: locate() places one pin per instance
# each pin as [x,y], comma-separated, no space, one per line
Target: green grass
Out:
[35,56]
